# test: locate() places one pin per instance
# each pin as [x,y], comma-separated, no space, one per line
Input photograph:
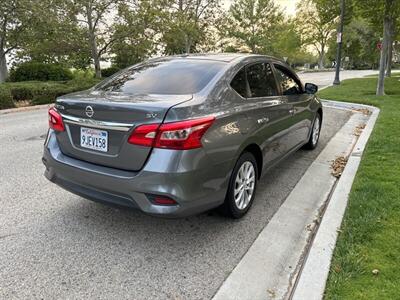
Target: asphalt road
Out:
[55,245]
[323,79]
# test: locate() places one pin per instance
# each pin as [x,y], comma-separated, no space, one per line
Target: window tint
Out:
[239,83]
[288,83]
[180,76]
[261,80]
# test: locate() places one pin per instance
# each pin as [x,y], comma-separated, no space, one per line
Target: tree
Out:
[95,15]
[317,20]
[136,34]
[288,44]
[15,17]
[378,13]
[186,22]
[253,23]
[58,38]
[359,44]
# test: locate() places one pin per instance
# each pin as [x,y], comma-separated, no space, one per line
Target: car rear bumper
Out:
[185,177]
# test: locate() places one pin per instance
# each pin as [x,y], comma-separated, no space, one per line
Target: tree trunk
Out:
[188,43]
[95,55]
[92,43]
[380,89]
[321,61]
[3,66]
[390,50]
[321,58]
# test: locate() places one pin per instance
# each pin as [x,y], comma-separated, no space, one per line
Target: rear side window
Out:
[287,81]
[239,83]
[261,80]
[175,77]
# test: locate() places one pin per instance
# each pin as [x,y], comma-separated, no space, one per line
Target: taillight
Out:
[55,120]
[181,135]
[144,135]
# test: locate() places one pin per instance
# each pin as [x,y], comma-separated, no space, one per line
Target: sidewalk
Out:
[281,261]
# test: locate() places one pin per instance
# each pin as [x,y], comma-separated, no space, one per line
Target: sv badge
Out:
[151,115]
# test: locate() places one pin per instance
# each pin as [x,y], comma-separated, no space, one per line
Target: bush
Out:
[88,74]
[22,92]
[39,71]
[6,100]
[109,71]
[37,92]
[45,97]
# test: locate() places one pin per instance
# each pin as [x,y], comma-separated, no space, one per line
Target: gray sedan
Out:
[179,135]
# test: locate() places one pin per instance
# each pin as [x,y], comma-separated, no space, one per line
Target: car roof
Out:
[222,57]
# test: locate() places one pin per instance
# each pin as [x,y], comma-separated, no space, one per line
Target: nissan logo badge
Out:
[89,111]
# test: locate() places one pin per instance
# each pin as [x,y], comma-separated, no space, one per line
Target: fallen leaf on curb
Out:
[375,271]
[338,165]
[271,292]
[359,129]
[364,111]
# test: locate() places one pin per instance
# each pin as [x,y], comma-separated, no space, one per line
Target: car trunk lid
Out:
[98,125]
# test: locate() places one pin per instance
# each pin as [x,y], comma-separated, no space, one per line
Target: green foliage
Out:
[186,25]
[39,92]
[316,22]
[288,44]
[135,38]
[254,24]
[15,18]
[83,75]
[6,100]
[77,34]
[22,92]
[369,233]
[359,44]
[374,11]
[94,17]
[109,71]
[56,38]
[39,71]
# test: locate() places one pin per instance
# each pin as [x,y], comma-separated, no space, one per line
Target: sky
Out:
[289,6]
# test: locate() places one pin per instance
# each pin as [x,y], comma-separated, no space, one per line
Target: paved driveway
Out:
[54,244]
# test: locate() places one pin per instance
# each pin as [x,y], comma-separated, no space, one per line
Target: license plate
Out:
[94,139]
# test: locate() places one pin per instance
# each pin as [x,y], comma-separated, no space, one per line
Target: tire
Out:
[315,133]
[244,170]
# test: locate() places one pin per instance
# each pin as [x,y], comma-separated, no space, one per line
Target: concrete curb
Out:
[312,279]
[271,267]
[25,108]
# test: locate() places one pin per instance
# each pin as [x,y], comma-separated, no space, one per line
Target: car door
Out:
[298,101]
[269,112]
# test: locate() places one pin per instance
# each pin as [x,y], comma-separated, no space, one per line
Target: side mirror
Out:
[311,88]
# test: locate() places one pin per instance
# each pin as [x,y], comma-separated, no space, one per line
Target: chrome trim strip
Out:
[97,124]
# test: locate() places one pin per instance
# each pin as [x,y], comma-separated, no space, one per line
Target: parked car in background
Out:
[179,135]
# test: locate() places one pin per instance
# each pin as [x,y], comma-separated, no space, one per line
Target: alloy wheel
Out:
[244,185]
[316,130]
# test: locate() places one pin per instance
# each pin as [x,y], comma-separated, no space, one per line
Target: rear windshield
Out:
[164,77]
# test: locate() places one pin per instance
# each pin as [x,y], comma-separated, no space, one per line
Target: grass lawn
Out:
[370,233]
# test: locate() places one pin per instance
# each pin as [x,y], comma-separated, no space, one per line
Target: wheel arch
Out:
[319,111]
[254,149]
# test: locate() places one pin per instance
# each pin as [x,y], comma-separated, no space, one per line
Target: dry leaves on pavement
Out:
[359,129]
[338,165]
[364,111]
